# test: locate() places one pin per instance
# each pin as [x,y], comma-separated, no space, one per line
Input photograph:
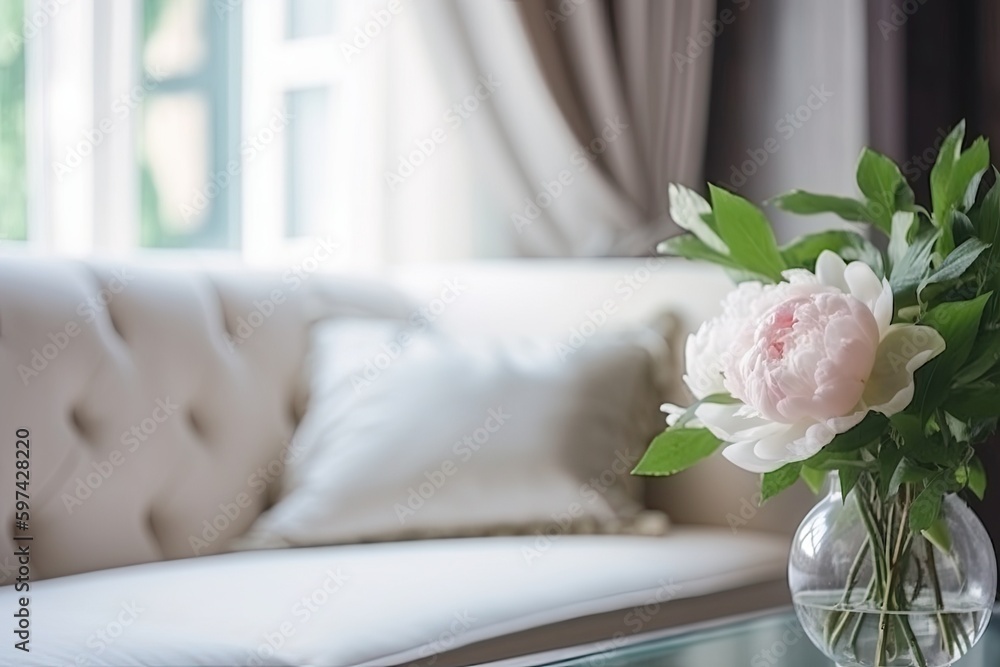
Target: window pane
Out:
[189,125]
[174,40]
[310,18]
[13,187]
[308,176]
[179,192]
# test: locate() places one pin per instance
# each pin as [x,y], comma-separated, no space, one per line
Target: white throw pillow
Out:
[418,434]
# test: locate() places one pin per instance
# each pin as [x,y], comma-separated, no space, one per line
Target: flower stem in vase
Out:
[887,524]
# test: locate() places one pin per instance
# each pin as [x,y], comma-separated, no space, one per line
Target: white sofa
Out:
[89,352]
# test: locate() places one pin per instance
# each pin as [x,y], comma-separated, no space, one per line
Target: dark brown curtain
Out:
[932,63]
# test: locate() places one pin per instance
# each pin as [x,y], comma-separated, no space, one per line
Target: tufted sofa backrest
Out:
[158,406]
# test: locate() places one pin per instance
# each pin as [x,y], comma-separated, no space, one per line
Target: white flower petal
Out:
[727,422]
[862,282]
[674,412]
[742,454]
[830,270]
[868,289]
[799,277]
[758,432]
[704,352]
[820,434]
[687,208]
[883,309]
[789,443]
[841,424]
[904,349]
[777,446]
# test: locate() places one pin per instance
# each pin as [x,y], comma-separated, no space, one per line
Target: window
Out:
[249,128]
[311,18]
[13,170]
[188,126]
[293,109]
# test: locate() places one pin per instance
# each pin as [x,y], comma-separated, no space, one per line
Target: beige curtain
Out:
[594,107]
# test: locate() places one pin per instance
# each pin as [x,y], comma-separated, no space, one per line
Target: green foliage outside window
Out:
[13,181]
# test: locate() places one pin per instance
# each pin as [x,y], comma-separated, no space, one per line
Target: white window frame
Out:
[274,66]
[95,209]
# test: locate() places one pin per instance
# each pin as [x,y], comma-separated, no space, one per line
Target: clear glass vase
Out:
[871,593]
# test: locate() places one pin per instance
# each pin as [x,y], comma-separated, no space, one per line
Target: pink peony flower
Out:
[805,359]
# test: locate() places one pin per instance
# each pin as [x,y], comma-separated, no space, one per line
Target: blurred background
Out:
[418,134]
[451,129]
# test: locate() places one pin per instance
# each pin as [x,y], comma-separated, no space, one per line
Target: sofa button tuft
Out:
[195,423]
[80,423]
[151,522]
[115,324]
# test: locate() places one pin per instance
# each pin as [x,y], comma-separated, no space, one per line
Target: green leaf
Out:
[813,478]
[984,356]
[972,191]
[691,212]
[890,458]
[909,427]
[848,480]
[907,273]
[903,227]
[809,203]
[954,176]
[804,251]
[827,460]
[968,171]
[973,402]
[962,227]
[951,270]
[677,449]
[954,172]
[718,399]
[690,246]
[773,483]
[955,430]
[958,324]
[908,472]
[866,432]
[748,234]
[881,182]
[976,481]
[926,508]
[944,166]
[986,219]
[906,199]
[931,451]
[939,535]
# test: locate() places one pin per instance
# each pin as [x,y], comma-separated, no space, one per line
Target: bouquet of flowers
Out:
[873,357]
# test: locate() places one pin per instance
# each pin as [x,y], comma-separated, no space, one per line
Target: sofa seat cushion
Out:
[381,604]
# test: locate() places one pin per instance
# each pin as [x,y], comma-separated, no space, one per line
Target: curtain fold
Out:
[600,105]
[789,104]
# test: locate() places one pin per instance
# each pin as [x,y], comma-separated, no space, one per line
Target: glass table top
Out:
[772,640]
